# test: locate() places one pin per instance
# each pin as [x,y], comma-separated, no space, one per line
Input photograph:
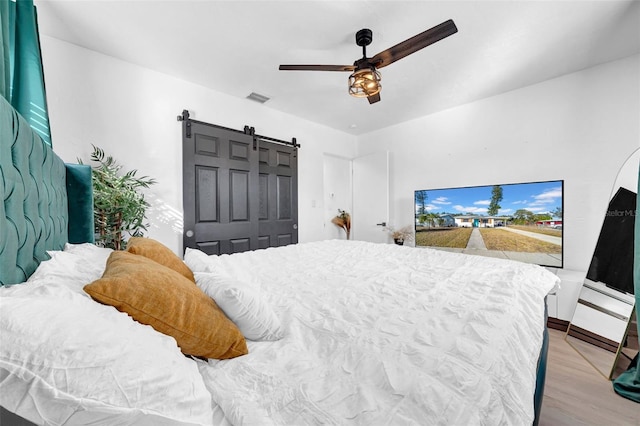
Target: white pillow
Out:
[241,302]
[75,267]
[91,252]
[65,359]
[199,261]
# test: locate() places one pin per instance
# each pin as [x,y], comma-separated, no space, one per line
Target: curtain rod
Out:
[247,130]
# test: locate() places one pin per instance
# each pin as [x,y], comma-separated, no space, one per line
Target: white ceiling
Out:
[235,47]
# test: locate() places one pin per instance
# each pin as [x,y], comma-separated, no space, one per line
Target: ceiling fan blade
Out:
[414,44]
[374,98]
[317,68]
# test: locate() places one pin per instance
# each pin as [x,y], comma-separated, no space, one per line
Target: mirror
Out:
[603,327]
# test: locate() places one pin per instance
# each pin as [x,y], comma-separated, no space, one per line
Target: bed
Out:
[326,332]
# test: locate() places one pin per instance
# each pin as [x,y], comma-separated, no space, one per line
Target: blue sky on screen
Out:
[538,197]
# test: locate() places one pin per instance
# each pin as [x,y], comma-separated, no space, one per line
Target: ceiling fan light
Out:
[365,82]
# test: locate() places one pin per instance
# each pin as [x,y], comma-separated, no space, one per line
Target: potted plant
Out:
[119,205]
[400,235]
[343,220]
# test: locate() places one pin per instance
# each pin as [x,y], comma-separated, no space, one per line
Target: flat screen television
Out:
[612,261]
[519,221]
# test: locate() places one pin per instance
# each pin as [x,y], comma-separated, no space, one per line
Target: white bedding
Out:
[372,334]
[68,360]
[384,334]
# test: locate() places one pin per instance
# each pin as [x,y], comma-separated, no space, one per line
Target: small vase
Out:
[399,241]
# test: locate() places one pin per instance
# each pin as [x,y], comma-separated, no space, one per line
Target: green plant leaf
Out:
[119,207]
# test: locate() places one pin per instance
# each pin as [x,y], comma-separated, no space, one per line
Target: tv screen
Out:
[519,221]
[612,261]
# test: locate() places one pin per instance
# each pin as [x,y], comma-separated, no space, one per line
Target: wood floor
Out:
[577,394]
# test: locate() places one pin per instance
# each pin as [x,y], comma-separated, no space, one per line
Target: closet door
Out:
[220,189]
[278,204]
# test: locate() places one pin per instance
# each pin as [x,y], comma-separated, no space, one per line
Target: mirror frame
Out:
[628,170]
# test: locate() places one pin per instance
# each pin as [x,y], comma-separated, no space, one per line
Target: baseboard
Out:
[557,324]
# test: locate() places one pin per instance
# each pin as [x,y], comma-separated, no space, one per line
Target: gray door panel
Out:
[278,194]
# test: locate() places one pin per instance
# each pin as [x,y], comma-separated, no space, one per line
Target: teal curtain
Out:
[5,75]
[628,383]
[22,82]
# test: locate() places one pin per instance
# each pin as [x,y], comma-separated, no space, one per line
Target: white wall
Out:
[337,193]
[131,112]
[579,127]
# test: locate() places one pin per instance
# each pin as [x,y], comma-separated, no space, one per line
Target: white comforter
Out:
[383,334]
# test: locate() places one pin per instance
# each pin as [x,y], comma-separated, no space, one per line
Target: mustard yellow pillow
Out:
[155,295]
[160,253]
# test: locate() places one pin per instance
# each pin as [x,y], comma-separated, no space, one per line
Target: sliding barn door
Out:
[238,194]
[278,211]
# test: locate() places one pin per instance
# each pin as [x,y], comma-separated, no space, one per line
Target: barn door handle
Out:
[381,224]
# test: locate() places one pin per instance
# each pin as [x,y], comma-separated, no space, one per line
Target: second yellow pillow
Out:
[160,253]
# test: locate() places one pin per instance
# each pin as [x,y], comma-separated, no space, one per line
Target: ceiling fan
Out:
[365,80]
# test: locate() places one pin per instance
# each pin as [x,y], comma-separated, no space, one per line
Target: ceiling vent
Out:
[258,97]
